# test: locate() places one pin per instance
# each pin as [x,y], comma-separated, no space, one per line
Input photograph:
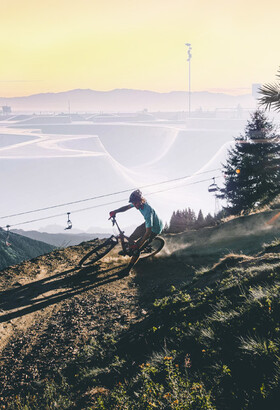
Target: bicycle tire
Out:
[156,244]
[98,252]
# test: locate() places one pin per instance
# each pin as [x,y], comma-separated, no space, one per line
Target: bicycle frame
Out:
[102,249]
[121,236]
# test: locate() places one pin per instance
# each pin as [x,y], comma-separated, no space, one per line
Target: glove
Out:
[112,214]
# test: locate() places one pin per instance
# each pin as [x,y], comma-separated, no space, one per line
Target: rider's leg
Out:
[137,234]
[151,237]
[135,237]
[133,261]
[135,257]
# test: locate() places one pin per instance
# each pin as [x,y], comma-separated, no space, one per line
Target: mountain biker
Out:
[148,230]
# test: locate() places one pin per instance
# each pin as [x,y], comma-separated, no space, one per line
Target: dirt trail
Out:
[45,305]
[49,308]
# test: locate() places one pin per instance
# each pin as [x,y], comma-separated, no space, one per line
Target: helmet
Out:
[136,196]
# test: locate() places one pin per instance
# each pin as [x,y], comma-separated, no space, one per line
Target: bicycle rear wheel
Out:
[98,252]
[152,248]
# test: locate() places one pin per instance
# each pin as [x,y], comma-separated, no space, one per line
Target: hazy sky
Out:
[57,45]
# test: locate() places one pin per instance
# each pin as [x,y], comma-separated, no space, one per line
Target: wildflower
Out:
[188,361]
[175,401]
[168,358]
[152,404]
[203,350]
[167,395]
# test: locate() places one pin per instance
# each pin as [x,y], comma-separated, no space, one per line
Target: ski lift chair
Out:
[69,223]
[8,235]
[213,187]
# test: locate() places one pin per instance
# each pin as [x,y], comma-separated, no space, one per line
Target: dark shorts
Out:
[139,233]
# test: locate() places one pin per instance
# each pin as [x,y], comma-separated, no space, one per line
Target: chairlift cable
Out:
[108,203]
[105,195]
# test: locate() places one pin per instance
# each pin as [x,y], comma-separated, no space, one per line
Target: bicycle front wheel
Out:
[152,248]
[98,252]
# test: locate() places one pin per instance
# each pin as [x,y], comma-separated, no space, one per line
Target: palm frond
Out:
[270,96]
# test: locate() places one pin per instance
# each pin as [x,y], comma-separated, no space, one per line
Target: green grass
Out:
[213,343]
[244,235]
[227,322]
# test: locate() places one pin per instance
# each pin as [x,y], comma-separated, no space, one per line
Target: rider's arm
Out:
[122,209]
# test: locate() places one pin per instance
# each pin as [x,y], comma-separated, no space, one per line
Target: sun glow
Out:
[56,46]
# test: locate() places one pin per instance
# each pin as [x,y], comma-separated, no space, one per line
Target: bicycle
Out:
[149,249]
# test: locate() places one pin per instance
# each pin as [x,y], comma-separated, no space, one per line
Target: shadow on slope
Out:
[225,323]
[222,321]
[55,281]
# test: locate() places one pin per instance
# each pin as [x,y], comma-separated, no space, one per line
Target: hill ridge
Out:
[19,249]
[124,100]
[85,333]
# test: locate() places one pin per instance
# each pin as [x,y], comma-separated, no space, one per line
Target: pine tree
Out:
[200,221]
[209,220]
[190,218]
[252,171]
[182,220]
[177,222]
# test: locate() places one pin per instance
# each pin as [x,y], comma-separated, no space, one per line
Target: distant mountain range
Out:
[19,248]
[60,239]
[25,245]
[125,100]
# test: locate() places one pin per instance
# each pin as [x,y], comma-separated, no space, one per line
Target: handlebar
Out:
[113,219]
[114,222]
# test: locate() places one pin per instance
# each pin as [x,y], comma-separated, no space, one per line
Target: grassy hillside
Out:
[197,328]
[244,234]
[20,249]
[222,330]
[60,239]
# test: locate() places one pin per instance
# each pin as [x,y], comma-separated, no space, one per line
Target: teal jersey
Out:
[151,218]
